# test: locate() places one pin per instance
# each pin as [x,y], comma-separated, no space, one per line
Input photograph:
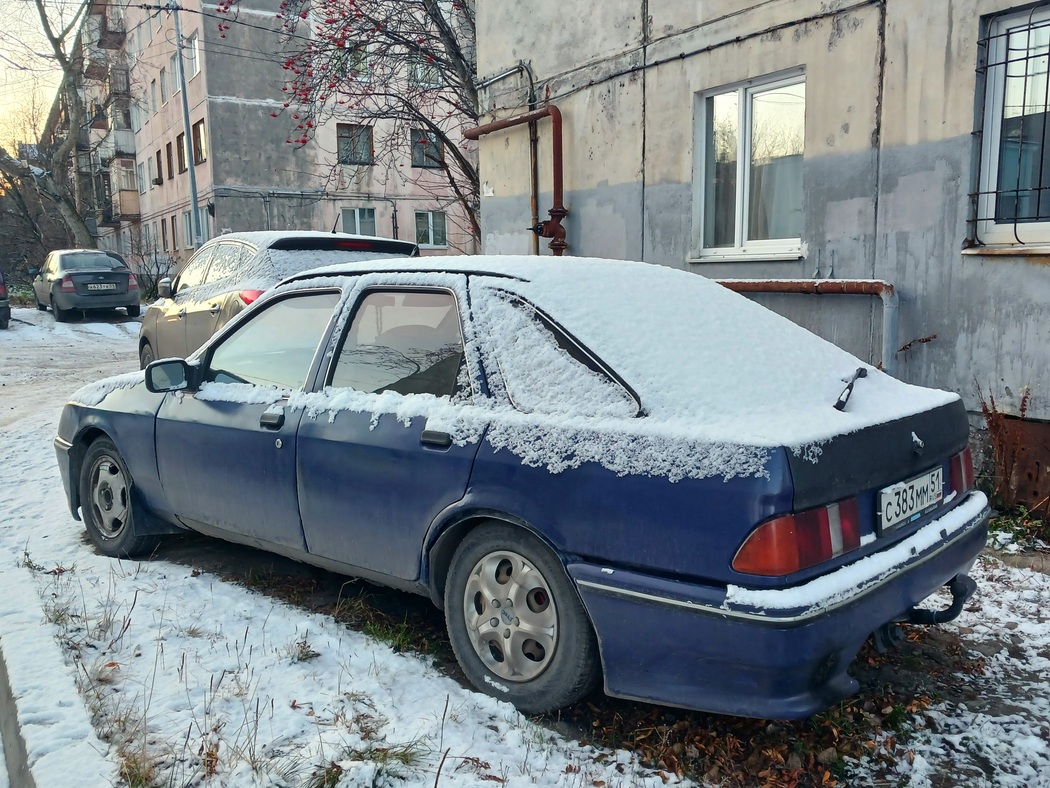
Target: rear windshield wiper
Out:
[840,403]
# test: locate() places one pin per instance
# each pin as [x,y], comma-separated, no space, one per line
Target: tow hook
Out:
[962,587]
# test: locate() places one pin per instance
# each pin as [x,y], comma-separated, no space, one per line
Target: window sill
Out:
[1008,250]
[750,256]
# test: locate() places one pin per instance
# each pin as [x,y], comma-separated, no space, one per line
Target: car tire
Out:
[41,307]
[504,574]
[61,315]
[107,504]
[3,325]
[146,356]
[134,310]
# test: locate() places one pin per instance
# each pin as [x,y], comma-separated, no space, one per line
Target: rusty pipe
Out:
[872,287]
[552,228]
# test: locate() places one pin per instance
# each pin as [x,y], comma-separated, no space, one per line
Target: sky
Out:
[24,74]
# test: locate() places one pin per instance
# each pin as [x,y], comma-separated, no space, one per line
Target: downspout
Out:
[870,287]
[551,228]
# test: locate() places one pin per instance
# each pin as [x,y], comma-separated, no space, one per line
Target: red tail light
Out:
[3,290]
[792,542]
[133,283]
[248,296]
[962,471]
[67,284]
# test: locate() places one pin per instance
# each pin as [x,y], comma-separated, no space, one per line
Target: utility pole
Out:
[187,139]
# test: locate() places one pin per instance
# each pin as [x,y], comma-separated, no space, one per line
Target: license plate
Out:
[103,286]
[905,501]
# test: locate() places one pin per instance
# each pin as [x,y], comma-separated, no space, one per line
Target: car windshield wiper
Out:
[840,403]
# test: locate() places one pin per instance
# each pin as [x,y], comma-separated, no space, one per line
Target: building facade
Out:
[802,139]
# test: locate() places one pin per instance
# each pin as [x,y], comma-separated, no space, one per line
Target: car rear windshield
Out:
[378,245]
[83,261]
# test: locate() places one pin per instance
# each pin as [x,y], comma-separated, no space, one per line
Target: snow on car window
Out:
[539,375]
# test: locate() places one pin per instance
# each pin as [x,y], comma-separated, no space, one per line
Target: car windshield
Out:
[85,261]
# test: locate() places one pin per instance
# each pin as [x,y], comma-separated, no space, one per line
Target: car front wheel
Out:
[517,625]
[107,505]
[146,356]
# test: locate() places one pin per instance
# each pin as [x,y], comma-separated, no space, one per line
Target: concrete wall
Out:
[891,93]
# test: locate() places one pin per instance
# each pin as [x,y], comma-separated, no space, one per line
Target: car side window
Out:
[195,270]
[229,257]
[277,345]
[409,342]
[544,370]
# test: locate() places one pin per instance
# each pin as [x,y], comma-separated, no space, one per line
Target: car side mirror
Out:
[171,374]
[164,288]
[32,271]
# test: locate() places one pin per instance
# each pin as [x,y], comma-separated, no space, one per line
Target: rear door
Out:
[375,472]
[171,324]
[226,453]
[205,303]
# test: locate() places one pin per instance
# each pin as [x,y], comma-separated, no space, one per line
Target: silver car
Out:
[231,271]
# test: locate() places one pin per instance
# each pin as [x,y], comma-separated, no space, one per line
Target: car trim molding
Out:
[722,611]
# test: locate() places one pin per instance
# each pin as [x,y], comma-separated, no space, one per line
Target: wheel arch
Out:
[439,556]
[77,452]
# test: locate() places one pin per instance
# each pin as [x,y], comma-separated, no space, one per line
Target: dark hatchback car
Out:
[230,271]
[83,279]
[601,471]
[5,304]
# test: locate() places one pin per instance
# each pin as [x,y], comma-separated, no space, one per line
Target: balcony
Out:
[111,30]
[119,84]
[125,205]
[123,142]
[96,67]
[99,120]
[104,216]
[83,140]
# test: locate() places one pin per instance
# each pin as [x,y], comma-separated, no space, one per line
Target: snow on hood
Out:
[93,393]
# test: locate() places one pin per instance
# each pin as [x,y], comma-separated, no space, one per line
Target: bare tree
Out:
[405,68]
[51,182]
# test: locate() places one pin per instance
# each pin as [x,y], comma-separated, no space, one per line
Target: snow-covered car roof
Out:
[697,354]
[266,238]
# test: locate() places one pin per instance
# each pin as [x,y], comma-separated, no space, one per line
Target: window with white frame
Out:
[430,229]
[359,221]
[140,172]
[749,150]
[423,72]
[164,86]
[351,62]
[173,71]
[187,229]
[1013,202]
[191,52]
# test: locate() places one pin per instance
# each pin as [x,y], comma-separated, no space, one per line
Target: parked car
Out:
[229,272]
[601,471]
[5,304]
[83,279]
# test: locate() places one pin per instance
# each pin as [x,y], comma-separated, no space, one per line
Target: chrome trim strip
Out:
[773,619]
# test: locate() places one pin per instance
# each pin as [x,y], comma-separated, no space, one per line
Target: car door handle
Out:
[215,309]
[272,419]
[435,438]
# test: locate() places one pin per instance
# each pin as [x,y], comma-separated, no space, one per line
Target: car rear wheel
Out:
[134,310]
[61,315]
[107,504]
[41,307]
[516,623]
[3,324]
[146,356]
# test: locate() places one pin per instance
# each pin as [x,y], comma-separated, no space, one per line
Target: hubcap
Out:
[109,497]
[510,615]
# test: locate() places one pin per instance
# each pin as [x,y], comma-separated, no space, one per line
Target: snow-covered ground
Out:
[198,679]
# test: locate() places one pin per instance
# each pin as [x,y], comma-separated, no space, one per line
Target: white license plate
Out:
[905,501]
[103,286]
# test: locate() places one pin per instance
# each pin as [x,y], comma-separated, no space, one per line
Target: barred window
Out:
[427,150]
[1013,203]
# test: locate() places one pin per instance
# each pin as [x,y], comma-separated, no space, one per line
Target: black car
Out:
[5,305]
[85,279]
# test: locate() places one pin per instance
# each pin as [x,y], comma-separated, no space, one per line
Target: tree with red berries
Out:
[403,68]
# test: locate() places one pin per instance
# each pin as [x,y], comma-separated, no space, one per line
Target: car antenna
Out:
[840,403]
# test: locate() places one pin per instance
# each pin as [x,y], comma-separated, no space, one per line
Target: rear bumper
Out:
[770,654]
[77,301]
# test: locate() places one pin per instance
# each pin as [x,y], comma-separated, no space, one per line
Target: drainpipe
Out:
[871,287]
[551,228]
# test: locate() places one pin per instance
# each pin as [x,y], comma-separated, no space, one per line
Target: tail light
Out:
[792,542]
[961,472]
[3,290]
[248,296]
[67,284]
[133,283]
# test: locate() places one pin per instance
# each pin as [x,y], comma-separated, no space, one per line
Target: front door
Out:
[226,453]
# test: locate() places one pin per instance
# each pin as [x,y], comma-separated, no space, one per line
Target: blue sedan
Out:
[603,472]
